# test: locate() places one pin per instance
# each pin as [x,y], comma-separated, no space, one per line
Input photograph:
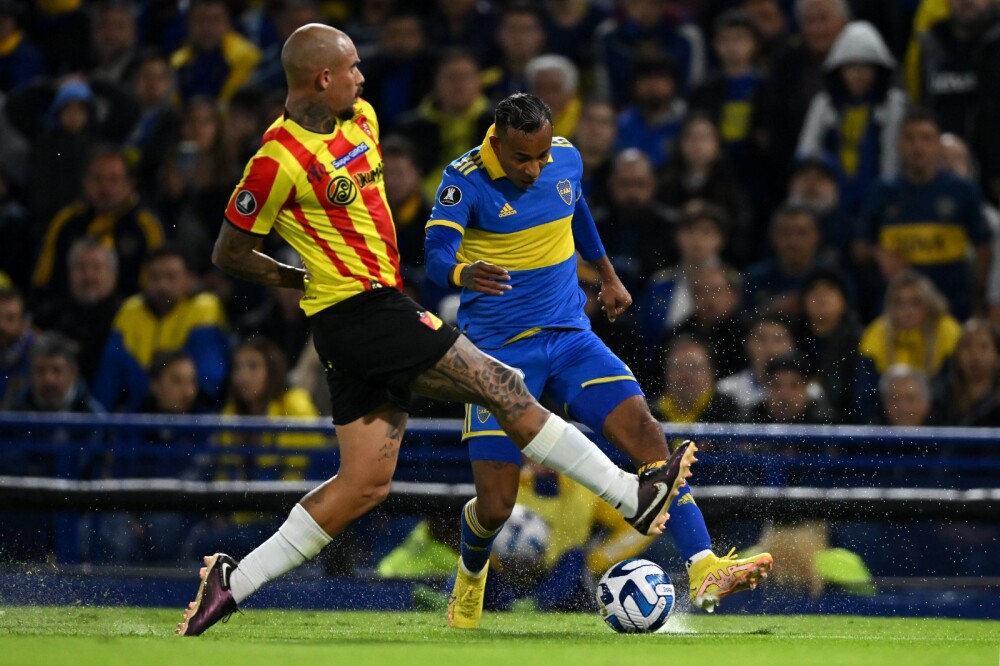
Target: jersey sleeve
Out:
[453,207]
[585,236]
[978,228]
[259,196]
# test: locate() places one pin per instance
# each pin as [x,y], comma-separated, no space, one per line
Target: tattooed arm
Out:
[236,253]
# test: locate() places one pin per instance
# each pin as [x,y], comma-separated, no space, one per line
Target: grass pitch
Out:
[109,636]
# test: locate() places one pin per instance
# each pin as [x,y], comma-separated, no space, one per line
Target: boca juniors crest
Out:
[482,414]
[565,189]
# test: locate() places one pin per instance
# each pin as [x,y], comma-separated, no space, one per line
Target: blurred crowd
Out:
[800,195]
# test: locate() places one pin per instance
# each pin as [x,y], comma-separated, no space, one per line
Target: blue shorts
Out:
[574,369]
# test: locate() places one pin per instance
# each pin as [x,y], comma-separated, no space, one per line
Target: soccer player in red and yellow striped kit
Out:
[317,181]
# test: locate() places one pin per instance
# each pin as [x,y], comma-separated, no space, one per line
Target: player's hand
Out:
[614,298]
[485,278]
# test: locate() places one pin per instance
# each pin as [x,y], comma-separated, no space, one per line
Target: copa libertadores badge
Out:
[246,202]
[450,196]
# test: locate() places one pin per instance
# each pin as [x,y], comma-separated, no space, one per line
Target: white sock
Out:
[563,448]
[298,539]
[701,554]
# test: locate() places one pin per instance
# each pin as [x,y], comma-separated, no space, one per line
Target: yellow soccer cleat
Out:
[713,577]
[465,605]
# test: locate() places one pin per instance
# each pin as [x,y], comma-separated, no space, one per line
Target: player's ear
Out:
[322,80]
[495,143]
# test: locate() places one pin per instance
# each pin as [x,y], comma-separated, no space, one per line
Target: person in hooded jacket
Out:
[856,120]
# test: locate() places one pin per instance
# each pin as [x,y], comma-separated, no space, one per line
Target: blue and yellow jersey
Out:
[196,324]
[480,215]
[931,227]
[218,73]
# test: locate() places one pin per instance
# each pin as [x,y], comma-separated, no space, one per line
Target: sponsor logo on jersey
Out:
[450,196]
[246,202]
[507,210]
[565,190]
[341,191]
[370,177]
[355,152]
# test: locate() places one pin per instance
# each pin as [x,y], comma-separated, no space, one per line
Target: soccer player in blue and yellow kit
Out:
[507,224]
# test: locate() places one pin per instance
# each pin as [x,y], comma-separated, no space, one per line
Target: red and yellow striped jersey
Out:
[324,194]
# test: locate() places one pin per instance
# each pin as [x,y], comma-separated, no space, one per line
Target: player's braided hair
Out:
[523,113]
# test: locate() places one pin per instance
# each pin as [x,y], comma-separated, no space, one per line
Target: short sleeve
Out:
[259,197]
[453,204]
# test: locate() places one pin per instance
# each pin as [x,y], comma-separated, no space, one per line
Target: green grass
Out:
[108,636]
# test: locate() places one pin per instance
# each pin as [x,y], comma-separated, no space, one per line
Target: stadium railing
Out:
[76,463]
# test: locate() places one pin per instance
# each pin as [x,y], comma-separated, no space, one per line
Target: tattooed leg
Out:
[369,448]
[466,374]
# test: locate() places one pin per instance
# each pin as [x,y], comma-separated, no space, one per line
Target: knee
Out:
[494,510]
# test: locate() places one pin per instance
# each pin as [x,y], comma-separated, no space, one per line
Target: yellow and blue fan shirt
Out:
[479,214]
[197,325]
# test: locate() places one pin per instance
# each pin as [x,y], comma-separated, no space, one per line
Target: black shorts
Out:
[373,346]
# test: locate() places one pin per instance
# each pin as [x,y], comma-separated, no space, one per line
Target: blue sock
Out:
[687,525]
[477,542]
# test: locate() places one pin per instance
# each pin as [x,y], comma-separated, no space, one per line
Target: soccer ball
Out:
[523,539]
[635,596]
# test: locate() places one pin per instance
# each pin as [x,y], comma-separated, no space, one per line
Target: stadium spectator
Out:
[54,386]
[570,26]
[716,318]
[769,336]
[216,60]
[197,179]
[638,231]
[462,24]
[111,211]
[690,395]
[173,389]
[944,78]
[520,37]
[905,396]
[115,55]
[656,110]
[958,160]
[774,284]
[915,329]
[729,95]
[64,122]
[16,342]
[166,315]
[787,398]
[86,313]
[55,383]
[857,118]
[288,17]
[967,392]
[410,209]
[828,337]
[159,121]
[16,235]
[20,60]
[700,170]
[772,29]
[449,120]
[555,80]
[796,77]
[595,139]
[401,73]
[365,22]
[928,219]
[644,28]
[986,131]
[815,185]
[667,299]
